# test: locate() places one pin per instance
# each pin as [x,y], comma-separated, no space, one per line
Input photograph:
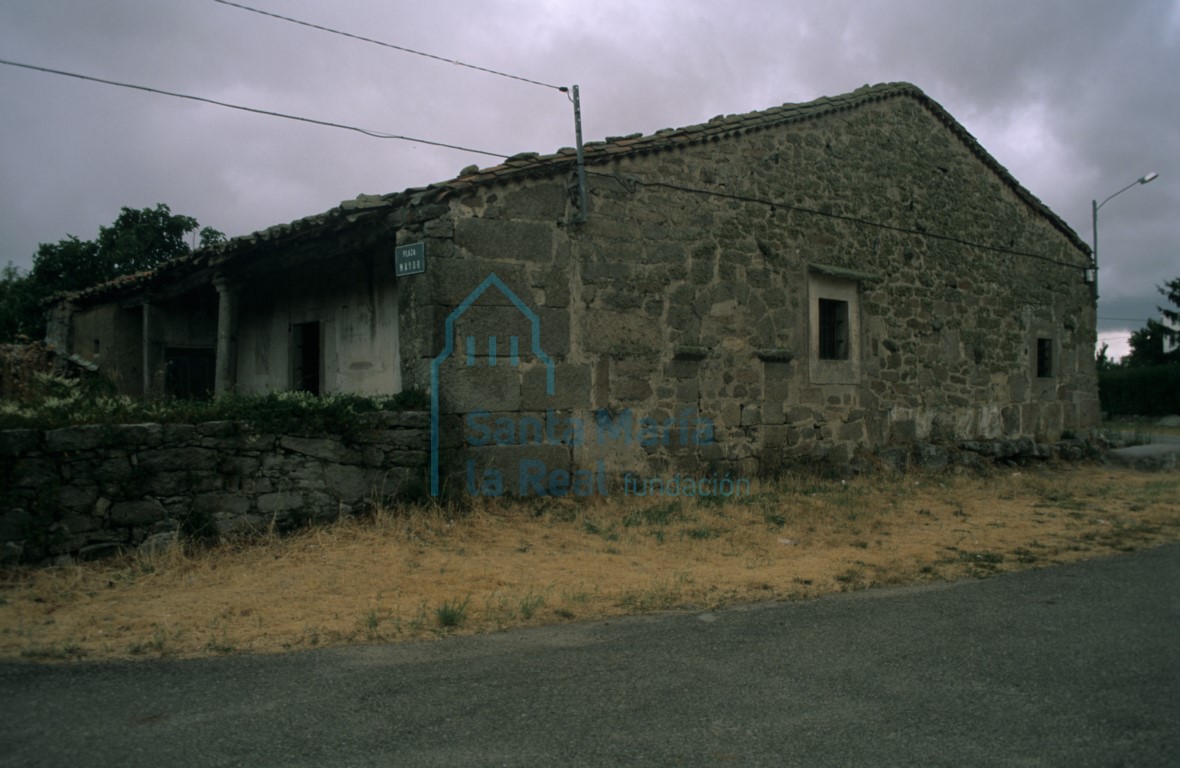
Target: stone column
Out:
[226,376]
[150,358]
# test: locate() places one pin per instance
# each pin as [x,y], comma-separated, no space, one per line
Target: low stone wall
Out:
[977,454]
[90,491]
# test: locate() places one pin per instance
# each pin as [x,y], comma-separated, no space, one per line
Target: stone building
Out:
[785,285]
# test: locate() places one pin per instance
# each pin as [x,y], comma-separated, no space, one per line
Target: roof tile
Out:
[528,164]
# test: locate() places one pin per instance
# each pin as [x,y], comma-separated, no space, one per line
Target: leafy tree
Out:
[1102,362]
[67,265]
[141,240]
[1147,343]
[138,240]
[1147,346]
[18,304]
[1171,291]
[210,237]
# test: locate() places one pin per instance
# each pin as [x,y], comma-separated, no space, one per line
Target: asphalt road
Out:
[1071,666]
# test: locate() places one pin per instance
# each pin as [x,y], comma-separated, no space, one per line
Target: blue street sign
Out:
[409,259]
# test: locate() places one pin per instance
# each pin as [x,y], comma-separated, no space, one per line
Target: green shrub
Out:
[60,402]
[1149,390]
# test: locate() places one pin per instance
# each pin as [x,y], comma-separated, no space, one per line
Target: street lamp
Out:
[1092,272]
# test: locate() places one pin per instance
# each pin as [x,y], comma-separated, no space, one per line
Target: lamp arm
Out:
[1116,194]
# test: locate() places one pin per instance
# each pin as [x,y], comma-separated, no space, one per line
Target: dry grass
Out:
[425,572]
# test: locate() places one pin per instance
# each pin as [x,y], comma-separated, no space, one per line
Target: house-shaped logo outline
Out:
[535,322]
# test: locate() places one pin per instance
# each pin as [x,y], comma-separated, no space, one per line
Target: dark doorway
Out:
[306,369]
[188,373]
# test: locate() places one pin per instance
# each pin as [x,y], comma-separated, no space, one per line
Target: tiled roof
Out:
[531,164]
[728,126]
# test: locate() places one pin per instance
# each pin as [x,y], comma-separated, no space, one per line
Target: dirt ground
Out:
[423,572]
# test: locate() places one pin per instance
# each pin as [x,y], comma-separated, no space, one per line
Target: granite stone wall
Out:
[745,295]
[90,491]
[691,294]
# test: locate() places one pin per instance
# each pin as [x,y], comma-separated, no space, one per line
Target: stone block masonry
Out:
[816,290]
[90,491]
[818,281]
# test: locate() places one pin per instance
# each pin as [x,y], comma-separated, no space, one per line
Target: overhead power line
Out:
[269,113]
[401,48]
[571,92]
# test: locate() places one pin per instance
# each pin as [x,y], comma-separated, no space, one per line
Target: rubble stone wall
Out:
[89,491]
[692,291]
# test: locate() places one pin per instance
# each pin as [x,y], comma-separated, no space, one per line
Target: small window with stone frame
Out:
[833,329]
[1044,358]
[833,320]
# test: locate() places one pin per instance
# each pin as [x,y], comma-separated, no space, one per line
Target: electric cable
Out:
[841,217]
[659,184]
[255,110]
[401,48]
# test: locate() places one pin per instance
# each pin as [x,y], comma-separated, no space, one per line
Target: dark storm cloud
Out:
[1076,99]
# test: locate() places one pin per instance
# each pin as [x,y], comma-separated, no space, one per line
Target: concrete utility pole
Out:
[576,98]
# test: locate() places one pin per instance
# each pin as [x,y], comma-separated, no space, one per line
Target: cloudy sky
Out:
[1077,98]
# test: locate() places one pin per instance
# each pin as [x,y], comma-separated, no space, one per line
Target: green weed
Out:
[220,645]
[452,613]
[703,532]
[529,605]
[155,645]
[660,514]
[64,402]
[53,652]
